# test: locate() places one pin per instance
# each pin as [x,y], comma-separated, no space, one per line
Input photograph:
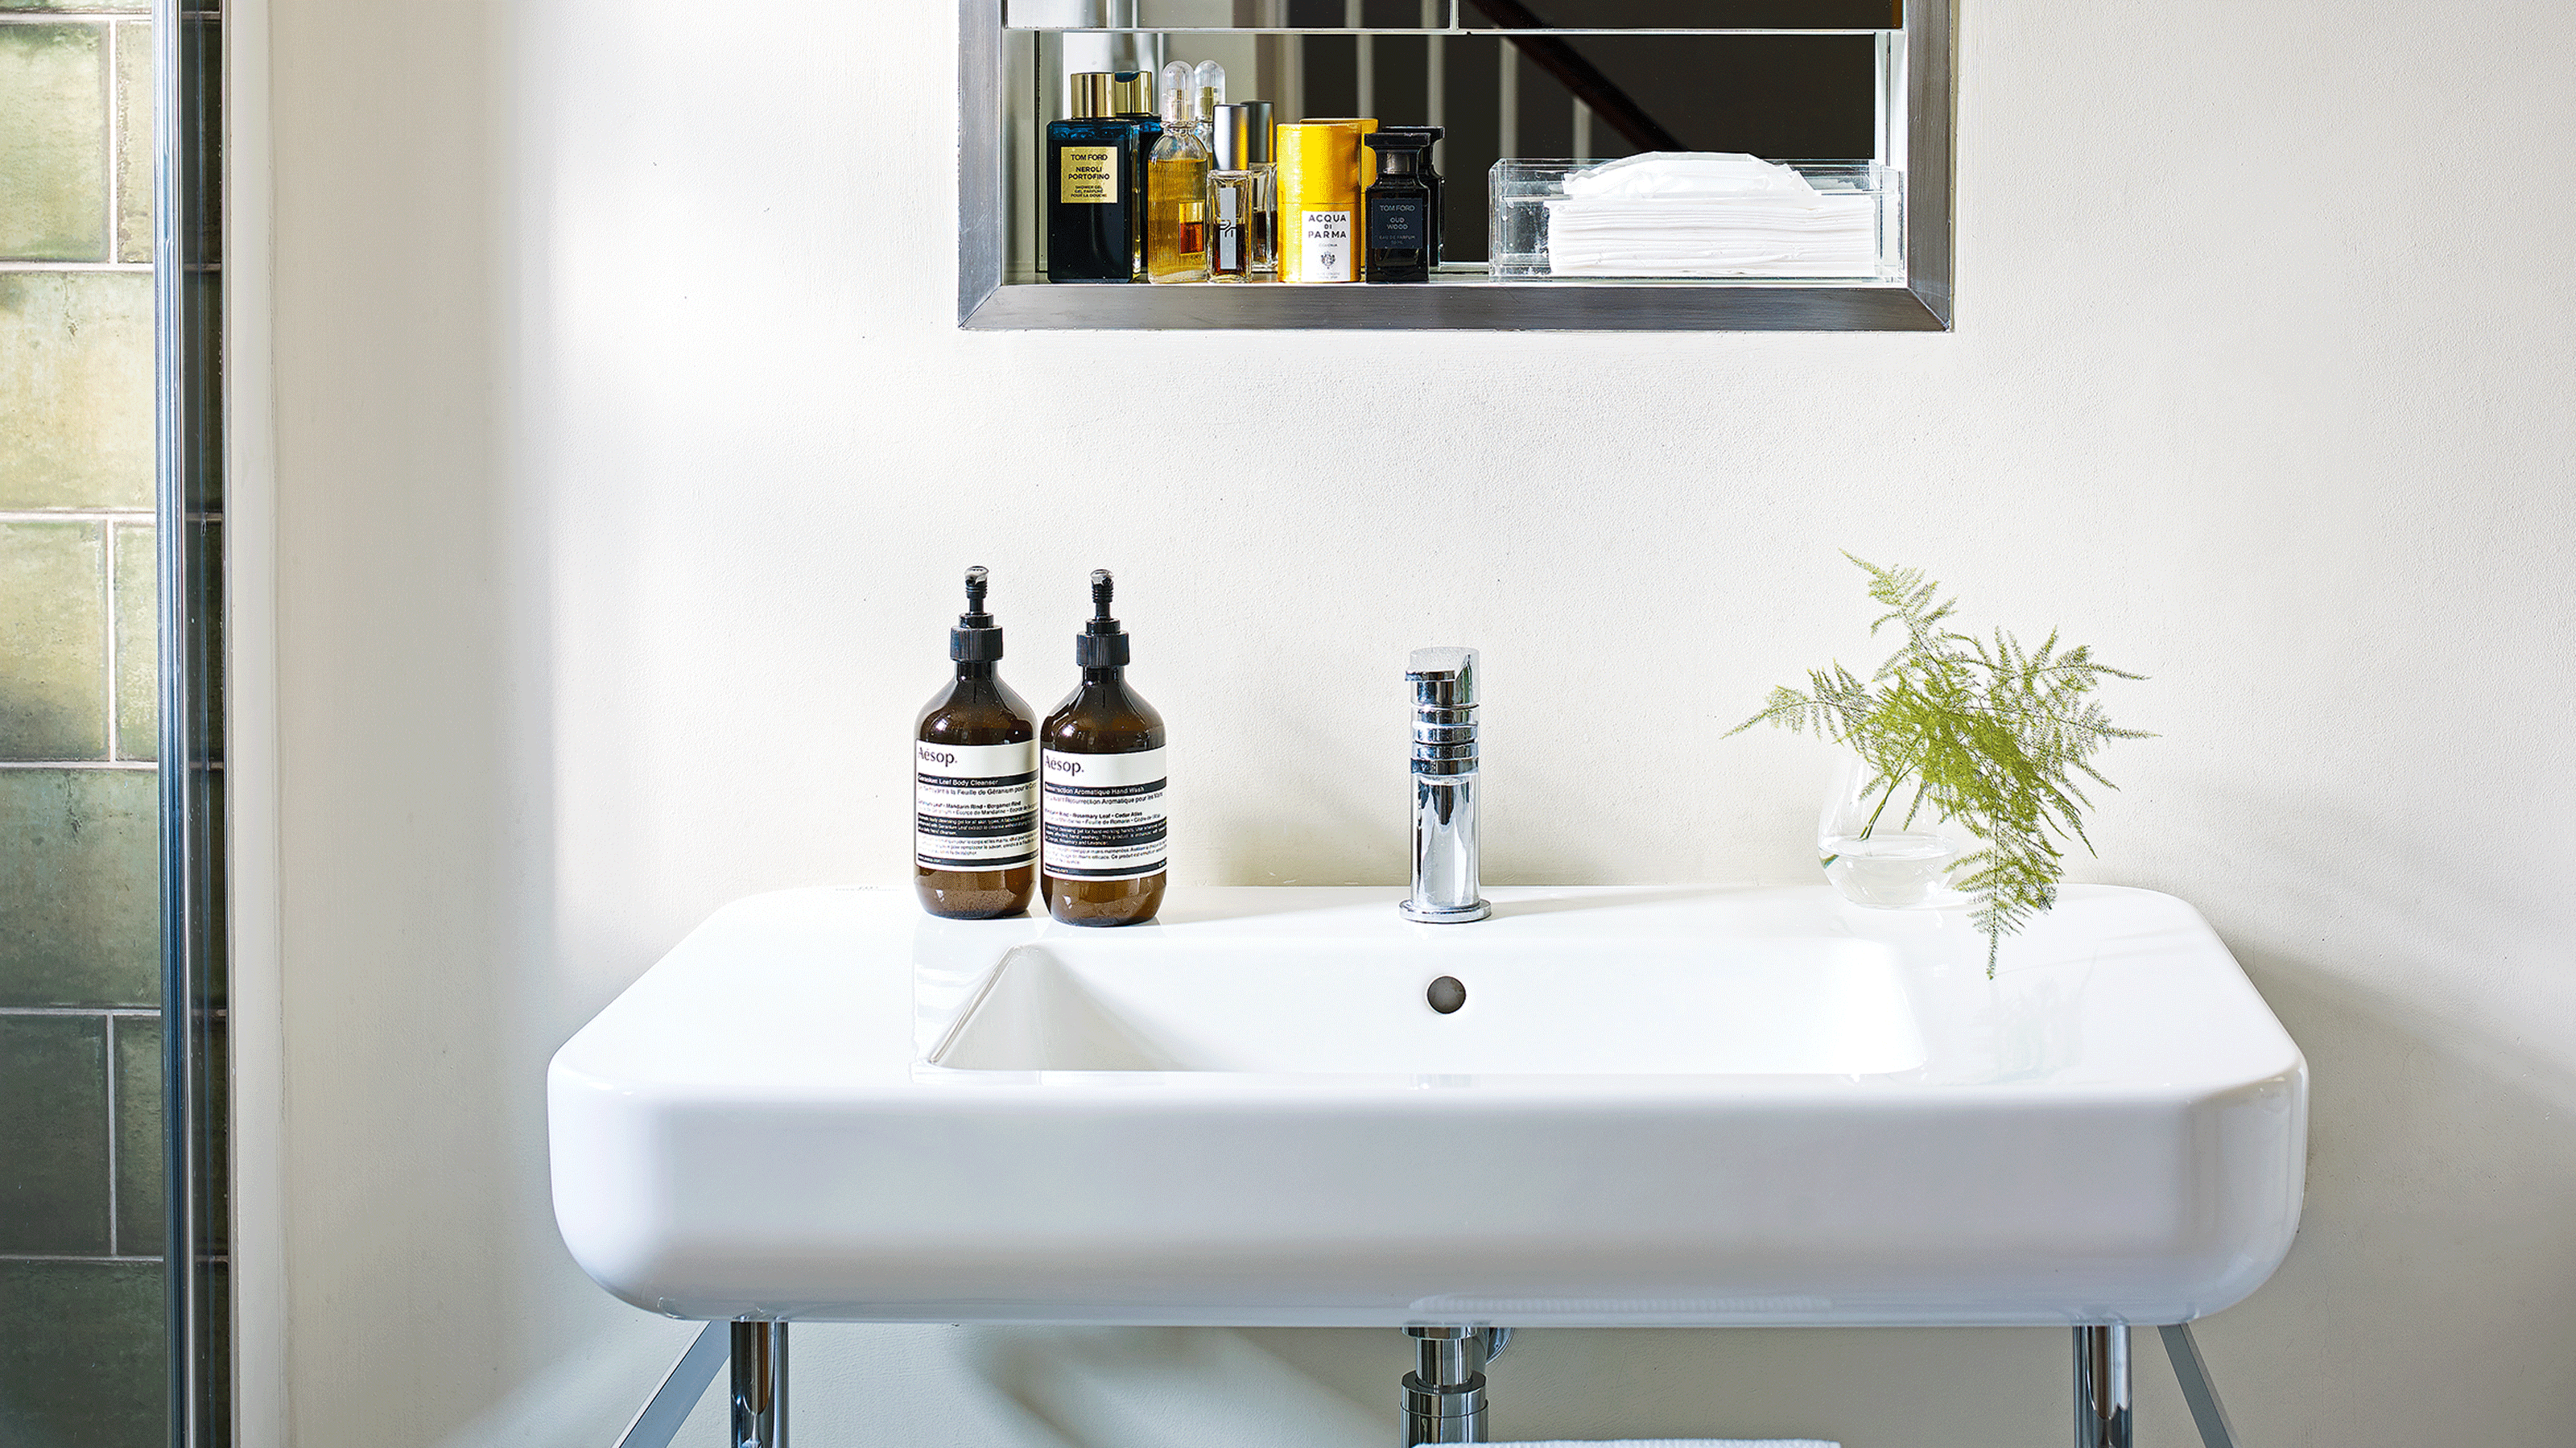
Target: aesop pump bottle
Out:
[974,782]
[1101,764]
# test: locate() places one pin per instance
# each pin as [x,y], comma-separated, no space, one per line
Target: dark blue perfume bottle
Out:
[1094,187]
[1131,96]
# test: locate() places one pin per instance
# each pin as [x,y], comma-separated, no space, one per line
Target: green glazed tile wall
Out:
[81,1332]
[75,388]
[79,870]
[53,1114]
[85,1369]
[135,595]
[133,46]
[54,195]
[139,1212]
[53,632]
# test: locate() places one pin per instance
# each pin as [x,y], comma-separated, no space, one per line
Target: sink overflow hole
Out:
[1446,994]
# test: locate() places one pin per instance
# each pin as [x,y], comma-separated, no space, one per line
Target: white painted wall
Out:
[627,456]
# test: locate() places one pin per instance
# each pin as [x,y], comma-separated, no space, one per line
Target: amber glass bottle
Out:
[974,782]
[1101,759]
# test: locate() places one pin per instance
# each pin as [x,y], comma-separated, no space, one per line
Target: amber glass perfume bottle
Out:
[974,781]
[1092,180]
[1176,190]
[1100,764]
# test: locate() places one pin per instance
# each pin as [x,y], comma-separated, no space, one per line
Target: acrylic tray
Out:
[1857,233]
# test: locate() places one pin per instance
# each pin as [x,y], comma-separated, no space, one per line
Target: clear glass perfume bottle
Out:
[1208,89]
[1176,191]
[1243,197]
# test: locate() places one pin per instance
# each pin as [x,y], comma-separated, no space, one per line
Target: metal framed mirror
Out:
[1863,85]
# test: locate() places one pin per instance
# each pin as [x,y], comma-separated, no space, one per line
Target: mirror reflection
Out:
[1805,81]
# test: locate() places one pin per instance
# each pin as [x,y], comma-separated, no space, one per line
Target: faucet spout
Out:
[1445,865]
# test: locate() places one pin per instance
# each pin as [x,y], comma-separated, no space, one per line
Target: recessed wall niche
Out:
[1853,95]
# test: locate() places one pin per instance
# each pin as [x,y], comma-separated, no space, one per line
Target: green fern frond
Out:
[1992,733]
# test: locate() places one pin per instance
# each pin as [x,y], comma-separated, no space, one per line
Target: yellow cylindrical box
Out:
[1368,158]
[1319,201]
[1368,176]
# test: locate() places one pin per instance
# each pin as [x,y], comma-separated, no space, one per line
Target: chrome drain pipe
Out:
[759,1385]
[2102,1414]
[1444,1396]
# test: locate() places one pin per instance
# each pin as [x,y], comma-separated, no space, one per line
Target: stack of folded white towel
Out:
[1707,214]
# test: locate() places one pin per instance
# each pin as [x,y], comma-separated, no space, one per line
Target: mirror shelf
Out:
[1877,91]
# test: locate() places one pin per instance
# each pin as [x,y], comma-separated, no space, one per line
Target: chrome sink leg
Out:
[759,1385]
[658,1422]
[2102,1386]
[1444,1397]
[2193,1375]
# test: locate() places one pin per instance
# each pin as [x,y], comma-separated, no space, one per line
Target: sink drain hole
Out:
[1446,994]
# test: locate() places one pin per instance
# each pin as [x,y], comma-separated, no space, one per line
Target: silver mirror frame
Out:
[1923,304]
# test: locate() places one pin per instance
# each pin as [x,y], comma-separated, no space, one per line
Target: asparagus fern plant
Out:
[1996,736]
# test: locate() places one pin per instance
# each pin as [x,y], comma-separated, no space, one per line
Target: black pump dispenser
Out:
[974,781]
[976,639]
[1100,766]
[1102,644]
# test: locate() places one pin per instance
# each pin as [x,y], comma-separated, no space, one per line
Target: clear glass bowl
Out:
[1878,849]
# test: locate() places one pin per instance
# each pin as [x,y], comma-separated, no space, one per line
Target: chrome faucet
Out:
[1444,788]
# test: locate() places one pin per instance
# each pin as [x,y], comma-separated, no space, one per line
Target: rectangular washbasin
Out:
[1114,1003]
[1653,1106]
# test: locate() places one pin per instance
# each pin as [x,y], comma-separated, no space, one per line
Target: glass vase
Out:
[1879,848]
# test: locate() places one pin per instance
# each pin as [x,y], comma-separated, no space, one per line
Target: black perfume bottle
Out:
[1399,211]
[1430,136]
[1095,176]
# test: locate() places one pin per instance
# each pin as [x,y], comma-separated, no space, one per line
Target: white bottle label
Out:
[1104,815]
[1328,246]
[974,806]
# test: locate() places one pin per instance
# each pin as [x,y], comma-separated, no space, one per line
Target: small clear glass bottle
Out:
[1176,192]
[1208,90]
[1243,197]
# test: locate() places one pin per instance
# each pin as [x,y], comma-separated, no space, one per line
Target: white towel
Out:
[1686,173]
[1707,214]
[1825,236]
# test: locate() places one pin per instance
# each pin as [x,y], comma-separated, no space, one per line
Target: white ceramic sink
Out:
[1537,1008]
[1654,1106]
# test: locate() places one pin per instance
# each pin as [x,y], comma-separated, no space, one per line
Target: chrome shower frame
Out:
[188,508]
